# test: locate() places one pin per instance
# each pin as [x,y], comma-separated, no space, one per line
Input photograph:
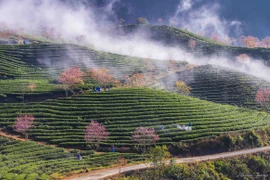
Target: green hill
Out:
[41,63]
[30,161]
[35,60]
[217,84]
[62,121]
[204,47]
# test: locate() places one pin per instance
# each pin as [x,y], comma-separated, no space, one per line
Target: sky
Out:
[253,15]
[65,20]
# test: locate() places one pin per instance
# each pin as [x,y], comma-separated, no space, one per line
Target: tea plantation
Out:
[29,160]
[62,121]
[221,102]
[217,84]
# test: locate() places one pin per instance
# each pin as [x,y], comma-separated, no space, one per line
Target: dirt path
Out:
[10,136]
[4,133]
[100,174]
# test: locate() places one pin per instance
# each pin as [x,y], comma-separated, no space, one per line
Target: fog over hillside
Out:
[73,21]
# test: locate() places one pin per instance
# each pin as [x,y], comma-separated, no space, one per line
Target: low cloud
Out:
[204,19]
[75,21]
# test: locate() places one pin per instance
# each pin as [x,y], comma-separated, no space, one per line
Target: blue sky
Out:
[254,15]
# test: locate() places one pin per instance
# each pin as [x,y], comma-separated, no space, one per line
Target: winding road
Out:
[100,174]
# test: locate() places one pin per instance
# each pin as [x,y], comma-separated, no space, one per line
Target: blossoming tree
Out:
[70,78]
[95,133]
[145,136]
[262,96]
[23,123]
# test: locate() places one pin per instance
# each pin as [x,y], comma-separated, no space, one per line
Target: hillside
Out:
[41,63]
[43,162]
[221,102]
[22,61]
[62,121]
[218,84]
[180,38]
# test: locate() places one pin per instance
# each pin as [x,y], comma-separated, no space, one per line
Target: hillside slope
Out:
[41,63]
[180,38]
[218,84]
[39,162]
[62,121]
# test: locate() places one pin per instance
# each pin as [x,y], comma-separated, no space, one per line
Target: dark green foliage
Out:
[253,139]
[225,142]
[242,168]
[158,154]
[259,164]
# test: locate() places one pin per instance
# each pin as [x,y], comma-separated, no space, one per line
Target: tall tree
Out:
[158,154]
[262,96]
[135,80]
[266,42]
[23,123]
[243,58]
[70,78]
[95,133]
[5,31]
[145,136]
[250,41]
[100,75]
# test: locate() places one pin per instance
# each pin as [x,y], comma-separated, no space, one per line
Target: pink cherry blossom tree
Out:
[243,58]
[262,96]
[135,80]
[266,42]
[23,123]
[95,133]
[100,75]
[215,37]
[250,41]
[145,136]
[70,78]
[192,44]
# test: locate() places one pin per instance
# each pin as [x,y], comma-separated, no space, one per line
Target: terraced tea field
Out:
[221,102]
[30,61]
[41,63]
[62,121]
[219,85]
[32,161]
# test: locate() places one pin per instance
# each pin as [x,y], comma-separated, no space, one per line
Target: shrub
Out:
[20,177]
[182,87]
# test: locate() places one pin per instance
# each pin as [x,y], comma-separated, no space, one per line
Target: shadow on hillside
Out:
[17,98]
